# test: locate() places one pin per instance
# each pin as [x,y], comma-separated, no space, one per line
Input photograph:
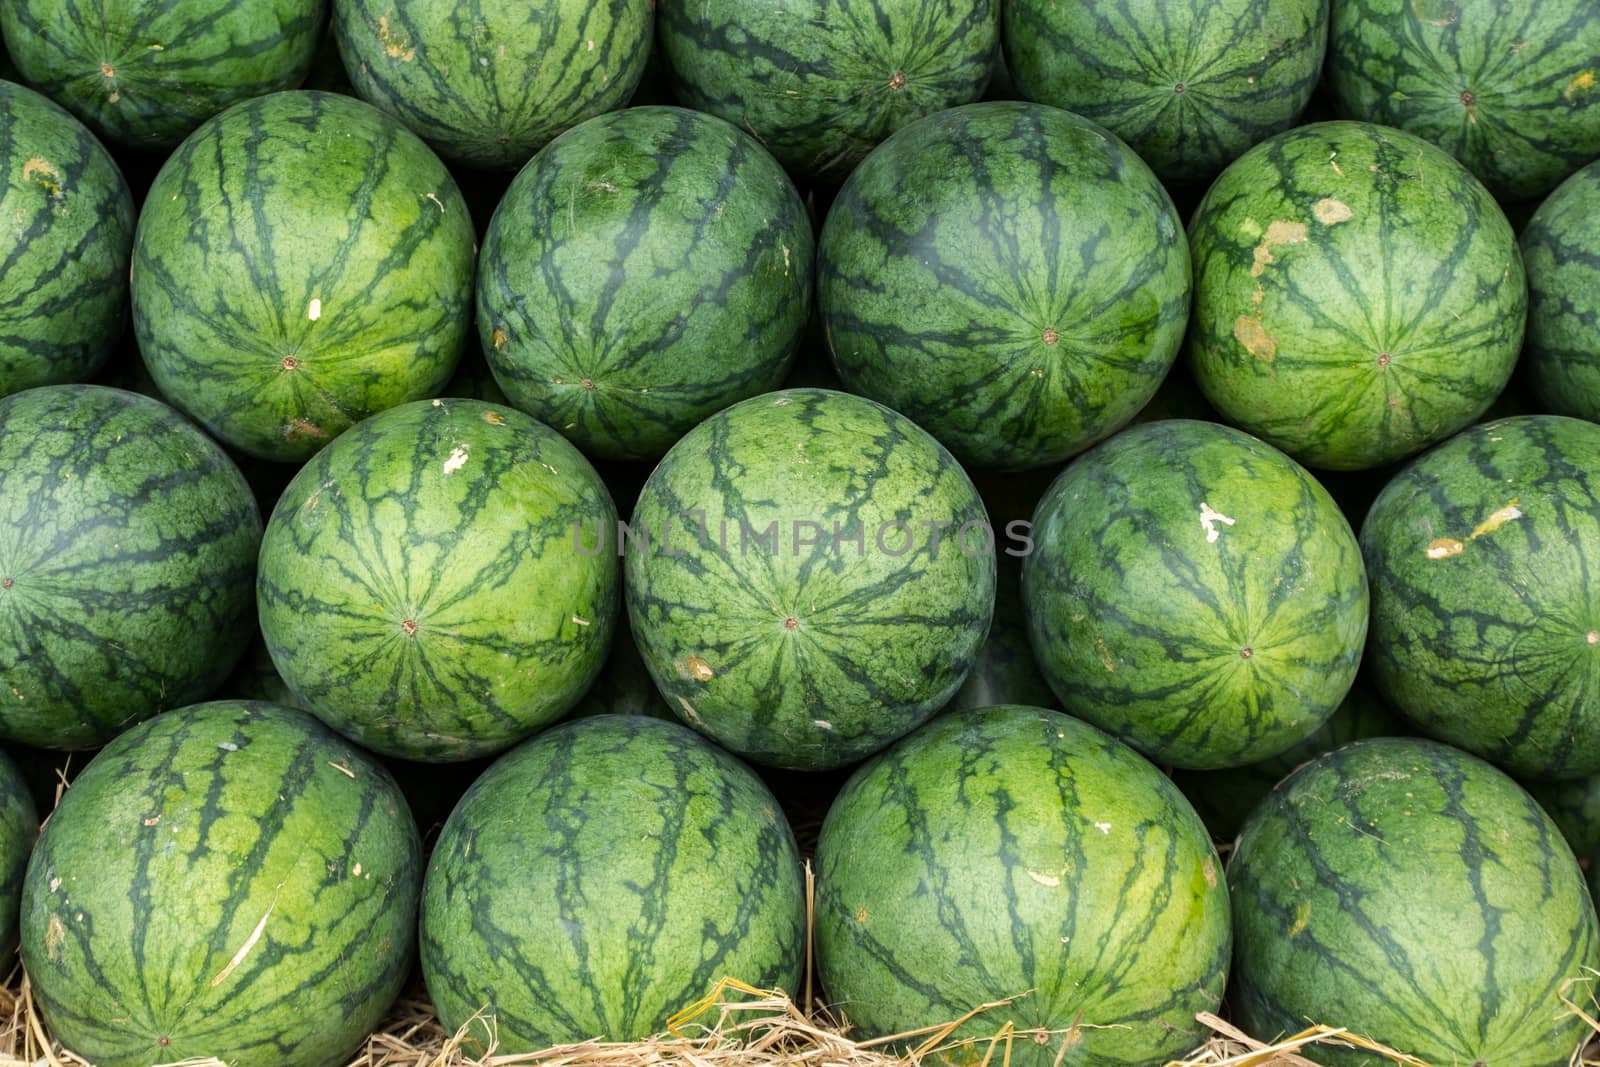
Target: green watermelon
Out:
[820,82]
[808,577]
[601,877]
[64,274]
[423,582]
[1195,592]
[1485,615]
[227,880]
[1226,798]
[647,269]
[19,829]
[1575,807]
[490,83]
[1358,295]
[1509,87]
[1561,248]
[1189,85]
[1017,852]
[302,262]
[1416,896]
[1026,302]
[127,548]
[146,72]
[1005,671]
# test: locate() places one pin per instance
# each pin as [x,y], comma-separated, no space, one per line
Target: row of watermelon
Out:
[1190,86]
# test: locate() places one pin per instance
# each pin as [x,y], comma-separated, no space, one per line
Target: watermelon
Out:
[1575,807]
[146,73]
[1226,798]
[488,85]
[1358,295]
[820,82]
[1017,852]
[19,829]
[302,261]
[647,269]
[601,877]
[1195,592]
[1005,671]
[127,548]
[1190,86]
[808,577]
[423,583]
[1026,302]
[1561,247]
[1509,87]
[227,880]
[1485,623]
[1418,897]
[64,280]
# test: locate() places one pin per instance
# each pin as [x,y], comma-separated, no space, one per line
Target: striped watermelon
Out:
[647,269]
[1561,248]
[19,829]
[1417,896]
[1026,302]
[422,587]
[488,82]
[1509,87]
[1485,624]
[1358,295]
[601,877]
[147,72]
[1575,807]
[814,581]
[64,279]
[1018,852]
[1196,593]
[127,548]
[1190,86]
[226,880]
[302,262]
[820,82]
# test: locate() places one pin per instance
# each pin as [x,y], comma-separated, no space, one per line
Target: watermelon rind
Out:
[423,586]
[19,829]
[64,275]
[1561,249]
[302,261]
[227,880]
[601,877]
[489,82]
[127,551]
[1017,852]
[1416,896]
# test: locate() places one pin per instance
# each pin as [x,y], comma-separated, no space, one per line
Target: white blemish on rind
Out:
[457,460]
[249,943]
[1209,519]
[822,724]
[437,202]
[314,309]
[1048,880]
[1103,827]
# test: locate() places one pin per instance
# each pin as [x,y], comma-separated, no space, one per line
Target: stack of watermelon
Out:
[1010,453]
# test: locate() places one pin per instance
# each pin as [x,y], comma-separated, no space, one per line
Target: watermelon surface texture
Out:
[421,585]
[1196,593]
[19,829]
[302,262]
[1485,622]
[600,878]
[127,550]
[227,880]
[489,82]
[813,581]
[64,275]
[1561,249]
[1509,87]
[647,269]
[1026,302]
[147,72]
[1189,86]
[1420,897]
[1015,851]
[820,82]
[1358,295]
